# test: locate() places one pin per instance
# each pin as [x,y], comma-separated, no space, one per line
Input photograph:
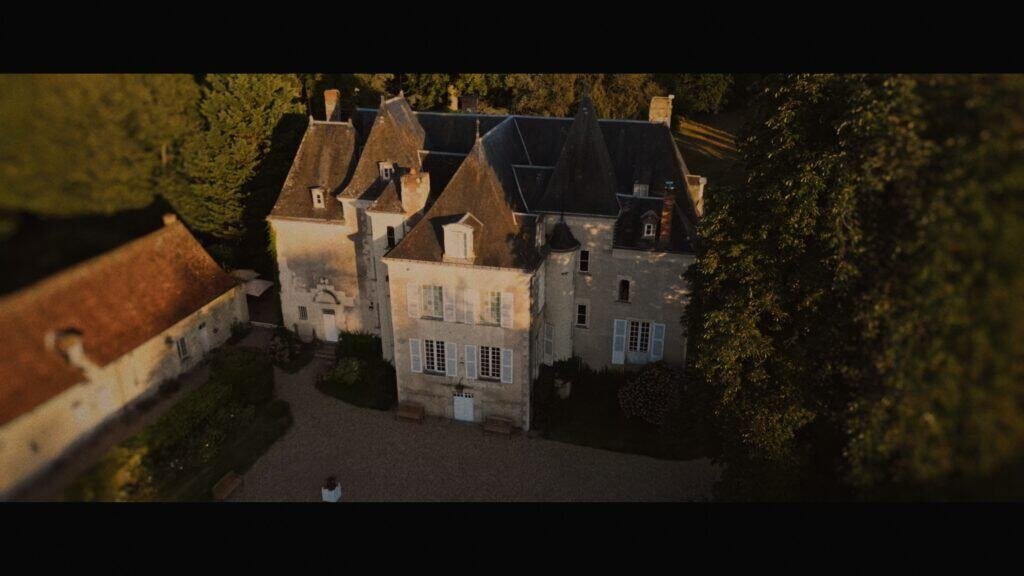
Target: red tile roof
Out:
[117,301]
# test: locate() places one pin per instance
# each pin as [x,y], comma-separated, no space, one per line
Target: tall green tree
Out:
[90,144]
[240,114]
[837,324]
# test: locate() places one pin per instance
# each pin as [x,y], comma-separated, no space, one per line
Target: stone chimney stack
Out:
[414,188]
[661,110]
[695,185]
[169,219]
[331,99]
[667,208]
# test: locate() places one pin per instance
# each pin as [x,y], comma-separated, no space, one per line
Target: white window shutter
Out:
[506,309]
[415,357]
[619,342]
[449,305]
[549,342]
[506,365]
[451,359]
[472,299]
[471,362]
[657,342]
[412,297]
[460,306]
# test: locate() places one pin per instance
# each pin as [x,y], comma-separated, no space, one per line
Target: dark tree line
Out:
[857,317]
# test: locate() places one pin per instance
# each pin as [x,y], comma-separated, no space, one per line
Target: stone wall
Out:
[29,443]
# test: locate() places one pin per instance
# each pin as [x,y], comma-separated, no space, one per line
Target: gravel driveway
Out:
[377,458]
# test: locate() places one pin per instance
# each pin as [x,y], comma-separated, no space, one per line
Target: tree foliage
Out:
[833,321]
[240,114]
[652,393]
[91,144]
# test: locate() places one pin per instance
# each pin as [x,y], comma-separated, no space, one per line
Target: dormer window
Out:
[649,230]
[317,193]
[387,170]
[458,239]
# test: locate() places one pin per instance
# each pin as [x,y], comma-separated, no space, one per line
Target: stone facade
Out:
[513,218]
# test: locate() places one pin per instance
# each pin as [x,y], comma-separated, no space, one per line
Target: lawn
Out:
[591,416]
[224,425]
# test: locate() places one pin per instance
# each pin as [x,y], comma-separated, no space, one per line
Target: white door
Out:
[330,326]
[464,407]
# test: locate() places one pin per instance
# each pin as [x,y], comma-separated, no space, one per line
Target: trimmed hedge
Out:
[359,345]
[195,437]
[289,352]
[364,382]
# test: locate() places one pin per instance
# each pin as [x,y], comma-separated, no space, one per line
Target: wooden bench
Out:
[228,484]
[498,425]
[409,411]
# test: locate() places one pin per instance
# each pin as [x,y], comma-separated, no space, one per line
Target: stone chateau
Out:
[479,247]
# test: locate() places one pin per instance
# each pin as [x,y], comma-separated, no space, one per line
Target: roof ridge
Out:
[75,271]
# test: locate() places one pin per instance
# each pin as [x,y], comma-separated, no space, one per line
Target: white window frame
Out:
[387,170]
[432,301]
[434,357]
[638,336]
[649,229]
[492,308]
[490,363]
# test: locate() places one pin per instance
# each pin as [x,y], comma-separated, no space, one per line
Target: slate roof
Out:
[562,239]
[395,136]
[324,159]
[117,301]
[583,181]
[483,186]
[629,226]
[579,165]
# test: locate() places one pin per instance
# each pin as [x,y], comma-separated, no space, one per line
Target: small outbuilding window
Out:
[182,349]
[649,230]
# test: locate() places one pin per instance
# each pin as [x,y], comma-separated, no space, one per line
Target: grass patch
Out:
[592,416]
[225,424]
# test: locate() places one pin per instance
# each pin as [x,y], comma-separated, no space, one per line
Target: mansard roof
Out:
[116,301]
[483,186]
[324,159]
[583,181]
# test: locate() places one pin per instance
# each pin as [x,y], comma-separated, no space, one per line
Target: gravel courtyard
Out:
[377,458]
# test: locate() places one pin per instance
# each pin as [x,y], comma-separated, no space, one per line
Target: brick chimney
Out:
[695,186]
[661,110]
[665,228]
[414,187]
[169,219]
[331,99]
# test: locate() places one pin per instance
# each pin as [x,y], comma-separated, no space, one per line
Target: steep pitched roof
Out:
[483,186]
[396,136]
[117,301]
[584,180]
[324,159]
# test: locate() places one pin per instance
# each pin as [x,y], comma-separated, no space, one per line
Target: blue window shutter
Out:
[415,357]
[506,365]
[619,342]
[657,342]
[471,362]
[451,359]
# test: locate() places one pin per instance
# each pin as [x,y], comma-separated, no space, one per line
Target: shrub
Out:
[288,352]
[368,383]
[169,387]
[239,330]
[247,371]
[651,394]
[359,345]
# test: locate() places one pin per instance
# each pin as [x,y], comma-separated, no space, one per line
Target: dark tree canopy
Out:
[845,311]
